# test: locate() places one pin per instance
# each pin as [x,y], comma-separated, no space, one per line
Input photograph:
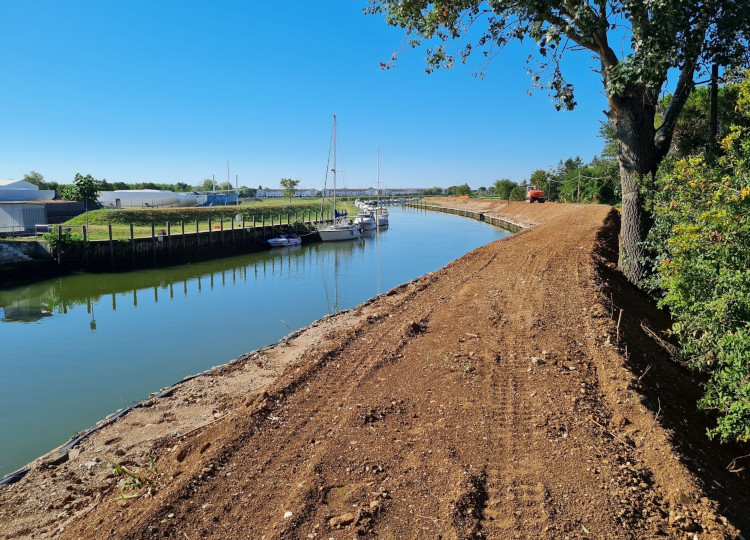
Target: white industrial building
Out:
[20,190]
[22,206]
[145,198]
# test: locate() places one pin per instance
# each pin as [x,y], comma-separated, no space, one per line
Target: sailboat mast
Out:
[378,176]
[377,206]
[334,168]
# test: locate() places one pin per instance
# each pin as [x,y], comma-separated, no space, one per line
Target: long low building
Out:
[20,190]
[279,193]
[145,198]
[341,192]
[22,217]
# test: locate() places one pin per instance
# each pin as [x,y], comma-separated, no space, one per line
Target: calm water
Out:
[77,348]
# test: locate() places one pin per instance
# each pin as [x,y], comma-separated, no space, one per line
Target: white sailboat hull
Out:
[336,233]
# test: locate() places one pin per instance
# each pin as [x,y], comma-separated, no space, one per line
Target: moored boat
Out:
[380,211]
[284,240]
[366,219]
[342,227]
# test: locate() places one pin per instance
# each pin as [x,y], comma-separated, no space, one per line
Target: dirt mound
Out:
[517,392]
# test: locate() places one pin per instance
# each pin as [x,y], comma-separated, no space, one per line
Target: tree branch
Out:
[685,85]
[664,134]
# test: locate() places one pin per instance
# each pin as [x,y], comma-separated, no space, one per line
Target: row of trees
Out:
[598,181]
[70,192]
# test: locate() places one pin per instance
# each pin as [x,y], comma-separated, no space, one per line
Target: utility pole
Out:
[713,125]
[578,197]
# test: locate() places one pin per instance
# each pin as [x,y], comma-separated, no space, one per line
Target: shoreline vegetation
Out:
[524,389]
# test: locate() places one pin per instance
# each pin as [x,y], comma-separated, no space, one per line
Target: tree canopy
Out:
[637,45]
[84,188]
[289,186]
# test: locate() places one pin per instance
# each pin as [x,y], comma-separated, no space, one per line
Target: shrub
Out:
[702,235]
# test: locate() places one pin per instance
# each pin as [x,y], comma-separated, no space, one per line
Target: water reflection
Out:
[100,341]
[58,297]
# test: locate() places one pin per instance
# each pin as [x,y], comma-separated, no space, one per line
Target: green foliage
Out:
[34,177]
[136,483]
[597,182]
[38,180]
[289,186]
[702,240]
[463,189]
[66,245]
[84,188]
[208,184]
[635,47]
[663,35]
[146,216]
[502,188]
[691,134]
[246,192]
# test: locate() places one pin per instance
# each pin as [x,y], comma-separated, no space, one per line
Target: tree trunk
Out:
[633,121]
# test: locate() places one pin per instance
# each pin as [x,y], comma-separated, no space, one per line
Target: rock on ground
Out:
[489,399]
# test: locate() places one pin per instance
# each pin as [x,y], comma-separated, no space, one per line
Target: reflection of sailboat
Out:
[342,227]
[337,257]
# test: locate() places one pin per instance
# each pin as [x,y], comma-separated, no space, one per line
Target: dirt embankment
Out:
[517,392]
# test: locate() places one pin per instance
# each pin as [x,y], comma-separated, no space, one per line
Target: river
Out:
[79,347]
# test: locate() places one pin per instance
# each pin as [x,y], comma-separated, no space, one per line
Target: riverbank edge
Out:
[60,453]
[322,327]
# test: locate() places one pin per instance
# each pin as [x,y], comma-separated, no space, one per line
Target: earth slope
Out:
[523,391]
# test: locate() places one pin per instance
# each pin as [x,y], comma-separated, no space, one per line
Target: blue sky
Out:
[169,91]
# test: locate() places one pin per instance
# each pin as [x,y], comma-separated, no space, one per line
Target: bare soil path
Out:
[516,393]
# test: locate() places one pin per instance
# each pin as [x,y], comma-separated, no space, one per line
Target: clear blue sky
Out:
[168,91]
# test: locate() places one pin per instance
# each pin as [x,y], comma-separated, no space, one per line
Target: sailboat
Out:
[342,227]
[381,212]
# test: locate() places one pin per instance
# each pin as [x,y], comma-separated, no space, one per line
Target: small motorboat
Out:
[284,240]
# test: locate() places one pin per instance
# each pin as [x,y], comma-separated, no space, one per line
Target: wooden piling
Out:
[111,247]
[59,244]
[85,247]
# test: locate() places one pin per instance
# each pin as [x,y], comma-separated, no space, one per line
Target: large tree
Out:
[660,37]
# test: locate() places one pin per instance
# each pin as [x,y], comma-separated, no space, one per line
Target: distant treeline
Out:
[104,185]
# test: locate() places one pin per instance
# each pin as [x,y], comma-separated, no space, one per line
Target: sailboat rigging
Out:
[342,227]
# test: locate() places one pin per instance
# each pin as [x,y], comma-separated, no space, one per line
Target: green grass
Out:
[99,220]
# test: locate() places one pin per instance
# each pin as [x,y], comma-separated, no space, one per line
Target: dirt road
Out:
[518,392]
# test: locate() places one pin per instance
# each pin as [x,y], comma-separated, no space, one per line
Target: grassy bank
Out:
[207,217]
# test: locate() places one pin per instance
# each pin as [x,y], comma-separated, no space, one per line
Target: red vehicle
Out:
[534,194]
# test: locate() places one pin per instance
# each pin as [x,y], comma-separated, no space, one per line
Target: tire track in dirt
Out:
[478,401]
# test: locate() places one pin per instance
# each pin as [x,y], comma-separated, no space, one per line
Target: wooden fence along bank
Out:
[178,241]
